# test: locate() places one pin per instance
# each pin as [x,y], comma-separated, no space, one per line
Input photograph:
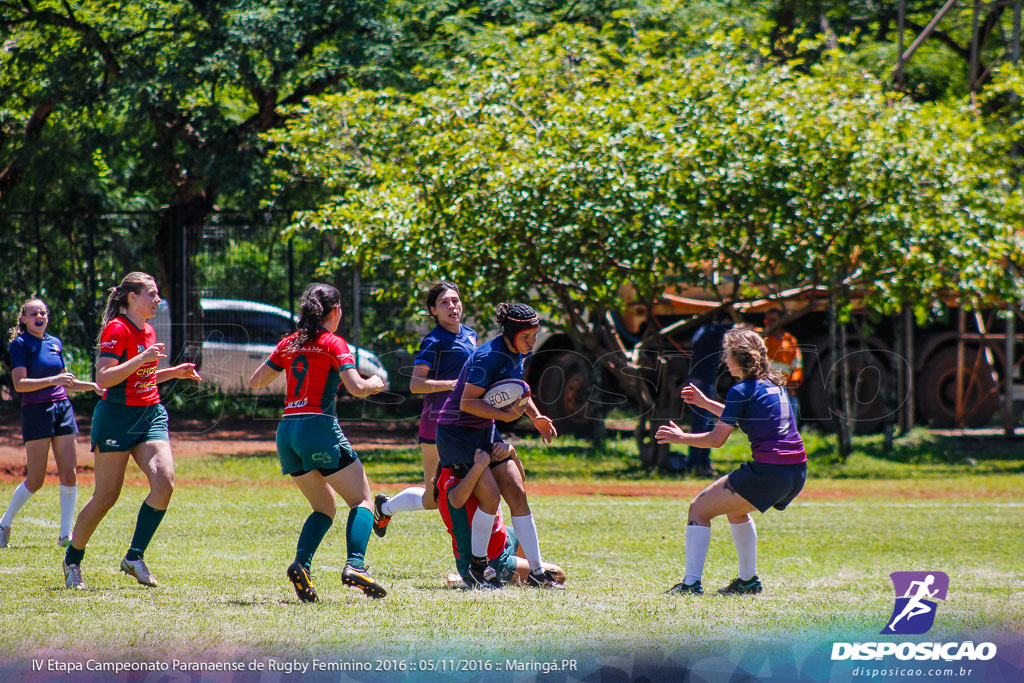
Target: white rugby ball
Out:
[507,392]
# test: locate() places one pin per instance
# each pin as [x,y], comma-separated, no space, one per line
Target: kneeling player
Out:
[457,505]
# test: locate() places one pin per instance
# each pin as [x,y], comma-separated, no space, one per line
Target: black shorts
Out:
[460,471]
[47,420]
[768,486]
[456,445]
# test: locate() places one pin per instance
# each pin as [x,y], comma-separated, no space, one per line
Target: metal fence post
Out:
[291,279]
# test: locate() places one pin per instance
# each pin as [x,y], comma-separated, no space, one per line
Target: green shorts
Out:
[310,442]
[118,428]
[504,565]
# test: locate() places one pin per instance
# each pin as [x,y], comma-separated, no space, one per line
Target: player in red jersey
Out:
[310,444]
[128,422]
[458,506]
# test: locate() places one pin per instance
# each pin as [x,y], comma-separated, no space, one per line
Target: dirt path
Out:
[191,438]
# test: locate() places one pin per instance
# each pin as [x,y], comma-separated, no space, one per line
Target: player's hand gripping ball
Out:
[507,392]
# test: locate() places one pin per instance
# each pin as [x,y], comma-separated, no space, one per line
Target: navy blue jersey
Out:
[491,363]
[445,354]
[763,411]
[40,358]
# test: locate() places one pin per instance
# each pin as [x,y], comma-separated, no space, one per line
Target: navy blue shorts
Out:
[456,445]
[768,486]
[47,420]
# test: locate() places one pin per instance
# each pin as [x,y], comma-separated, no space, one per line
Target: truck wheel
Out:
[936,389]
[563,393]
[868,378]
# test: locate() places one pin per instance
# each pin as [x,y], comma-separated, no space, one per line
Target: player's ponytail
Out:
[117,300]
[514,319]
[19,326]
[317,302]
[751,355]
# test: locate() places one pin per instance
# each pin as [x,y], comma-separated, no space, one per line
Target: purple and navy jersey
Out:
[491,363]
[445,354]
[40,358]
[763,411]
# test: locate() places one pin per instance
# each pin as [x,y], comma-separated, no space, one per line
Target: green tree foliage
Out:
[556,168]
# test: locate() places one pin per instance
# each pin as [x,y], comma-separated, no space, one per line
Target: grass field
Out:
[222,550]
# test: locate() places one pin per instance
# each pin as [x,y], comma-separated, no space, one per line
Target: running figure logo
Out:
[914,611]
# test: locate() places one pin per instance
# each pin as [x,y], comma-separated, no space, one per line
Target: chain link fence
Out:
[70,259]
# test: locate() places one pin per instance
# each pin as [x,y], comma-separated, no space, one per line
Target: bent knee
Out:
[105,500]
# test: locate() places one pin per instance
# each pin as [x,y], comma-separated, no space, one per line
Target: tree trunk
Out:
[839,386]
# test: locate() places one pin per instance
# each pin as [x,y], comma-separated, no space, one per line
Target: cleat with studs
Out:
[303,582]
[360,578]
[738,586]
[686,589]
[542,578]
[73,576]
[139,570]
[380,520]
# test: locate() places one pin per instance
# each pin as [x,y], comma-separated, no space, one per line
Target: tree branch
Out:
[10,175]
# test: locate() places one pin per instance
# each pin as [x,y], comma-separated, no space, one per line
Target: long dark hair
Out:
[317,302]
[437,290]
[117,301]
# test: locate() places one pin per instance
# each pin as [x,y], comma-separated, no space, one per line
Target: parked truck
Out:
[889,365]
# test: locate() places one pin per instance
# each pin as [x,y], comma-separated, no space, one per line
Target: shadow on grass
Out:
[924,447]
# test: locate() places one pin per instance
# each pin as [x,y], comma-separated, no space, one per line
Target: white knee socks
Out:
[698,538]
[18,500]
[744,537]
[526,531]
[409,500]
[68,499]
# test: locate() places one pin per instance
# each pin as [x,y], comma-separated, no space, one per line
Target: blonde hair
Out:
[117,302]
[19,326]
[748,351]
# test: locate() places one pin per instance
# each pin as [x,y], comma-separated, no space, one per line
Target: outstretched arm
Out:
[360,386]
[672,433]
[458,496]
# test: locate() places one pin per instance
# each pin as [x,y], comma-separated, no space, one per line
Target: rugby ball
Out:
[507,392]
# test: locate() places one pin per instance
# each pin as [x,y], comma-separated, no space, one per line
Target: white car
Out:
[239,335]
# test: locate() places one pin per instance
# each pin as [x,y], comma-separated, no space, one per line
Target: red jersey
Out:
[459,521]
[122,340]
[313,371]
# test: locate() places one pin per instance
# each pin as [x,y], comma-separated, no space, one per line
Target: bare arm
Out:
[263,376]
[458,496]
[542,423]
[23,384]
[672,433]
[691,394]
[79,385]
[182,371]
[419,384]
[360,386]
[110,373]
